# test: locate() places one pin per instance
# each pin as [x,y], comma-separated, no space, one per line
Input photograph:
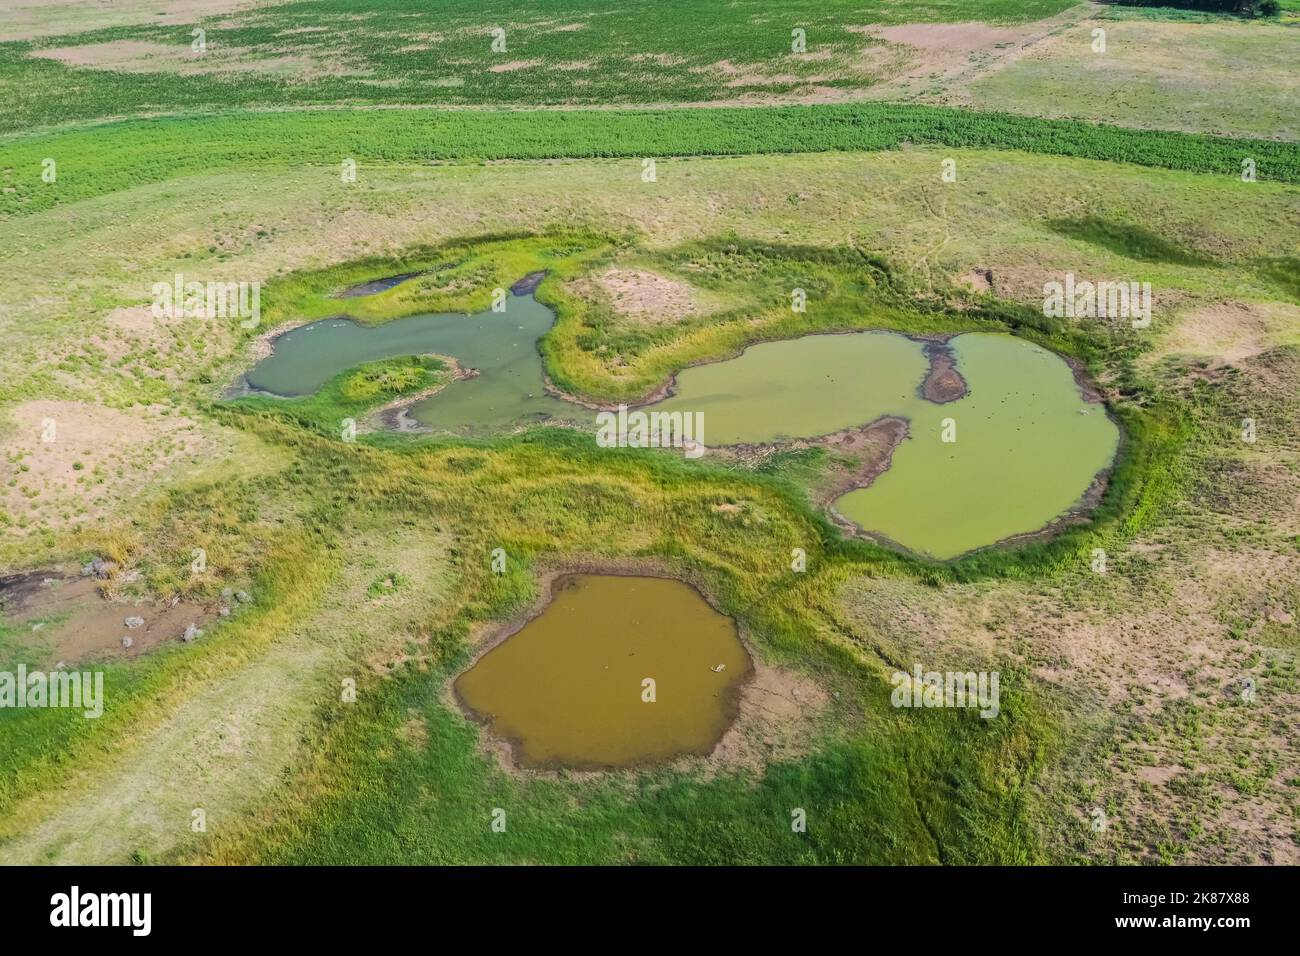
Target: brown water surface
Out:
[567,689]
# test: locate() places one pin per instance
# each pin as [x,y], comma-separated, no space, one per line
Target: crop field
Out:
[281,589]
[324,53]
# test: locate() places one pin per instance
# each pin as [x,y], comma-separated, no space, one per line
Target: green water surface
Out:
[502,346]
[1028,445]
[1027,448]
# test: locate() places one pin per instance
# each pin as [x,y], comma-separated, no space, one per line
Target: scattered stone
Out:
[192,633]
[100,568]
[223,611]
[135,622]
[243,597]
[227,592]
[127,640]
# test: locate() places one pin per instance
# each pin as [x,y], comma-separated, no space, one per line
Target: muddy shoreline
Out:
[943,383]
[376,286]
[89,620]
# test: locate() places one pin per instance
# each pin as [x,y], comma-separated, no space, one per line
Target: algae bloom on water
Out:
[616,671]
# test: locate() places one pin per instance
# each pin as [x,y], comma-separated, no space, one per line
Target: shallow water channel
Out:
[570,687]
[1025,444]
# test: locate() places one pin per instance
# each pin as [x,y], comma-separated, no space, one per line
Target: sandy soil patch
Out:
[1232,331]
[132,329]
[960,37]
[751,75]
[514,65]
[649,298]
[143,56]
[28,19]
[68,463]
[778,708]
[658,59]
[943,55]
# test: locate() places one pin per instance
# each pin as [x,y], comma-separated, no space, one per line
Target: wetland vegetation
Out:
[383,512]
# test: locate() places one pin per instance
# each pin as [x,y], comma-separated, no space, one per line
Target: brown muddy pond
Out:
[615,671]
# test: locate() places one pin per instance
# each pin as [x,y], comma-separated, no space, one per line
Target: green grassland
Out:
[368,560]
[1224,76]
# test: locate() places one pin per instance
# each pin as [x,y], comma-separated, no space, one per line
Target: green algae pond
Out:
[1025,446]
[1017,448]
[501,347]
[616,671]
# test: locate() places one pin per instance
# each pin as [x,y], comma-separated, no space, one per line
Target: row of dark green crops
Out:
[99,160]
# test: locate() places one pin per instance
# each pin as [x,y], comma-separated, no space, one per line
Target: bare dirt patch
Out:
[1232,331]
[94,458]
[939,56]
[143,56]
[63,618]
[513,65]
[658,59]
[777,709]
[649,298]
[961,37]
[979,281]
[28,19]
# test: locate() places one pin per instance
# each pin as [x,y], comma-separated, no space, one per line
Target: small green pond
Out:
[1028,444]
[502,346]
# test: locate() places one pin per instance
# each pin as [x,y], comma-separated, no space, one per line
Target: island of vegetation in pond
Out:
[500,382]
[616,671]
